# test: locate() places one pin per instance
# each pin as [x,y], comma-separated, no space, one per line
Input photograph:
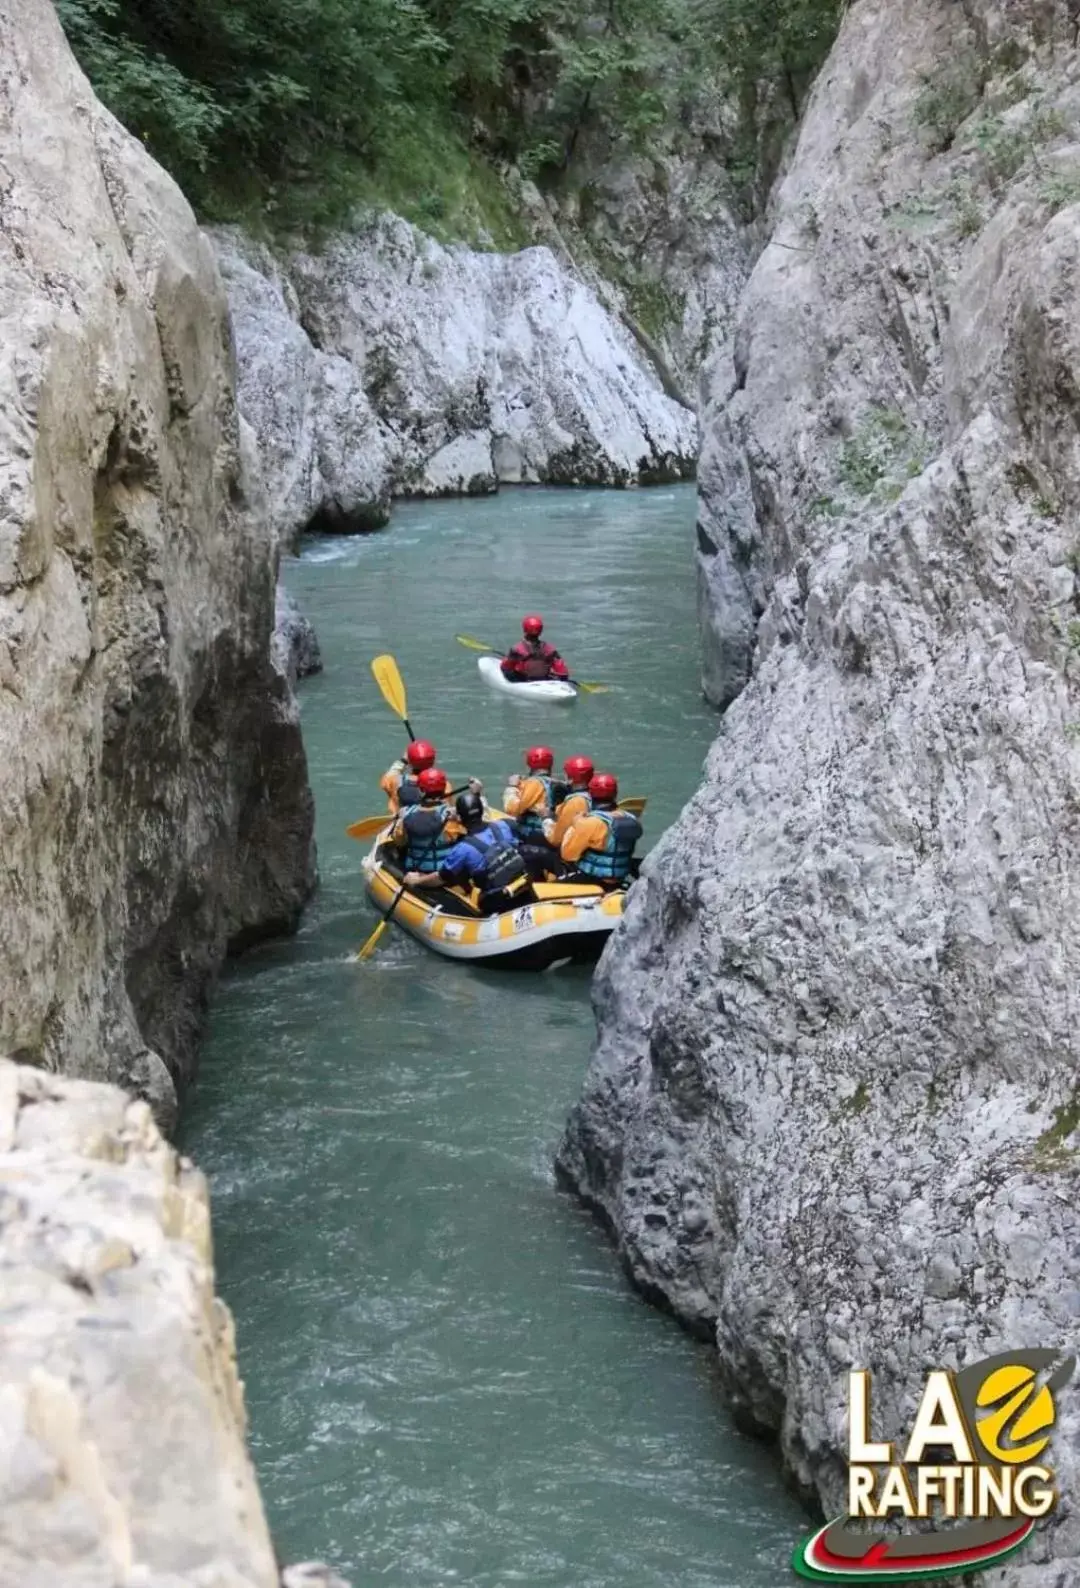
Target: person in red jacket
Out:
[532,658]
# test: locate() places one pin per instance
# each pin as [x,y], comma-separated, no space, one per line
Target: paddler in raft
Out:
[532,658]
[487,855]
[400,781]
[577,770]
[600,844]
[424,833]
[532,802]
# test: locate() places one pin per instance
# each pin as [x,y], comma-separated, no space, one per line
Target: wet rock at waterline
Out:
[390,365]
[326,457]
[831,1115]
[295,648]
[154,805]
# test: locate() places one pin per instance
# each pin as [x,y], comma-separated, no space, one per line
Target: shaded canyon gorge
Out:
[830,1116]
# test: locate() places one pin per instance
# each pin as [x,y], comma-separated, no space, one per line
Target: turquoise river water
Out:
[447,1376]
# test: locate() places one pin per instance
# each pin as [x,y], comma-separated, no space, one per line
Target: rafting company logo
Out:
[995,1418]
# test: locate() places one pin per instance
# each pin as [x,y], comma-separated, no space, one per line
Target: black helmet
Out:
[470,807]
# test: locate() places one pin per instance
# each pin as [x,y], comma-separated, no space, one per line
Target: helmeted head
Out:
[579,769]
[420,754]
[432,781]
[603,789]
[539,758]
[532,626]
[470,808]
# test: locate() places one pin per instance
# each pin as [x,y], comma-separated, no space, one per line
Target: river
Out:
[447,1377]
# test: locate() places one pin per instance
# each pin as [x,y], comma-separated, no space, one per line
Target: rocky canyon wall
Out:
[122,1414]
[831,1117]
[154,806]
[390,365]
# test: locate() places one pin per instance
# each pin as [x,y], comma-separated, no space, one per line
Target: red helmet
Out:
[420,754]
[533,626]
[539,758]
[603,788]
[578,768]
[432,781]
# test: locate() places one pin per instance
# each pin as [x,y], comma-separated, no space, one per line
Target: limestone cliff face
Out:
[389,365]
[153,794]
[659,238]
[831,1113]
[114,1345]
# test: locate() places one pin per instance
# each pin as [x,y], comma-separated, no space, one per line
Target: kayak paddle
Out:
[392,687]
[471,644]
[634,803]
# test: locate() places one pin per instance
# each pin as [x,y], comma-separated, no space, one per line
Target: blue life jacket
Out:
[425,828]
[531,823]
[612,863]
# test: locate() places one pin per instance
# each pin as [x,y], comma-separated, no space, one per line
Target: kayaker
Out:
[578,770]
[601,842]
[532,800]
[533,658]
[428,831]
[399,781]
[487,855]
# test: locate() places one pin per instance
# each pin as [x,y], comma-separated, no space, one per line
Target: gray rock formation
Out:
[657,237]
[121,1410]
[295,646]
[390,365]
[831,1117]
[325,454]
[111,1319]
[154,806]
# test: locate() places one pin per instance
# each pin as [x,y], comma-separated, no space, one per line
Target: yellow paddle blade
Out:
[368,827]
[391,684]
[634,803]
[373,941]
[472,645]
[594,689]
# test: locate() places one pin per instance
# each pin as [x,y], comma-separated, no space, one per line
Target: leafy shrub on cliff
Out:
[296,110]
[948,97]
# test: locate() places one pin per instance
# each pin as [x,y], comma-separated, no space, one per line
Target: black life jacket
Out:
[503,866]
[612,863]
[408,791]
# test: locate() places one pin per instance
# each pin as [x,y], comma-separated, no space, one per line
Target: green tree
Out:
[297,108]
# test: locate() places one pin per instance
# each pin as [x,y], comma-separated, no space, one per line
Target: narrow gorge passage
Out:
[447,1375]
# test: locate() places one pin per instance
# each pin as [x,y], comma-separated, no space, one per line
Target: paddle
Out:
[392,687]
[478,645]
[368,826]
[634,803]
[368,948]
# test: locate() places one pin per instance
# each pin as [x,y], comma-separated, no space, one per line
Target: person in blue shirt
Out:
[488,855]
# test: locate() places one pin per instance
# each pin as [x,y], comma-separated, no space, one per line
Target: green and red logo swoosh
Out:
[815,1561]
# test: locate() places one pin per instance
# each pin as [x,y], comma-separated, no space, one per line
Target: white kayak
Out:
[548,689]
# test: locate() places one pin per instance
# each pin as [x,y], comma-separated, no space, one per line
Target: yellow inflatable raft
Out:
[569,922]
